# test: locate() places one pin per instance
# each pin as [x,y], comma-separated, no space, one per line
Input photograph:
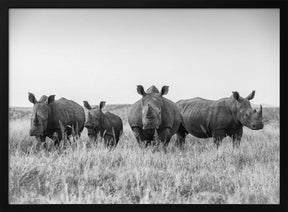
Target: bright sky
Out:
[102,54]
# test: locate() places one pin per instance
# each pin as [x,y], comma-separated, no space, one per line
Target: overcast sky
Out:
[102,54]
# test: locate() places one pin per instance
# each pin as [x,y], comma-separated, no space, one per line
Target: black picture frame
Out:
[4,77]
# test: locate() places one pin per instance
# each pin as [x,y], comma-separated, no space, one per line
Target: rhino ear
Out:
[236,95]
[102,104]
[51,99]
[31,98]
[251,95]
[164,90]
[87,105]
[140,90]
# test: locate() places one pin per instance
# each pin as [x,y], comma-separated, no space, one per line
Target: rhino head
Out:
[95,117]
[151,104]
[39,117]
[248,116]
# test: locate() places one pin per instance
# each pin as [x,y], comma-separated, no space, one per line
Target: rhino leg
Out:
[138,133]
[181,135]
[217,141]
[218,136]
[41,139]
[40,142]
[236,136]
[56,136]
[109,141]
[68,132]
[75,132]
[165,136]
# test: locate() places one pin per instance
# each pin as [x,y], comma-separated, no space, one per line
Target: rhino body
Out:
[218,118]
[108,125]
[153,115]
[51,117]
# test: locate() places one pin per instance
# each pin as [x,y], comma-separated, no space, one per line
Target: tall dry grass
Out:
[87,173]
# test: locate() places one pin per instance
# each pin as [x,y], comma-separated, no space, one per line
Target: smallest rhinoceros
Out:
[107,124]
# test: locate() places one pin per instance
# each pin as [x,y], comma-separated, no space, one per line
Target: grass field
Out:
[198,174]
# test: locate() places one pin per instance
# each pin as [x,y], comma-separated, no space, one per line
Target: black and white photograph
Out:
[144,106]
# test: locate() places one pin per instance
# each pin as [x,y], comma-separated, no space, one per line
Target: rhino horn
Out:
[260,111]
[36,117]
[102,104]
[149,110]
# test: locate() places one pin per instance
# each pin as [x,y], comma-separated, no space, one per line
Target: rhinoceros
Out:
[218,118]
[51,117]
[153,116]
[108,125]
